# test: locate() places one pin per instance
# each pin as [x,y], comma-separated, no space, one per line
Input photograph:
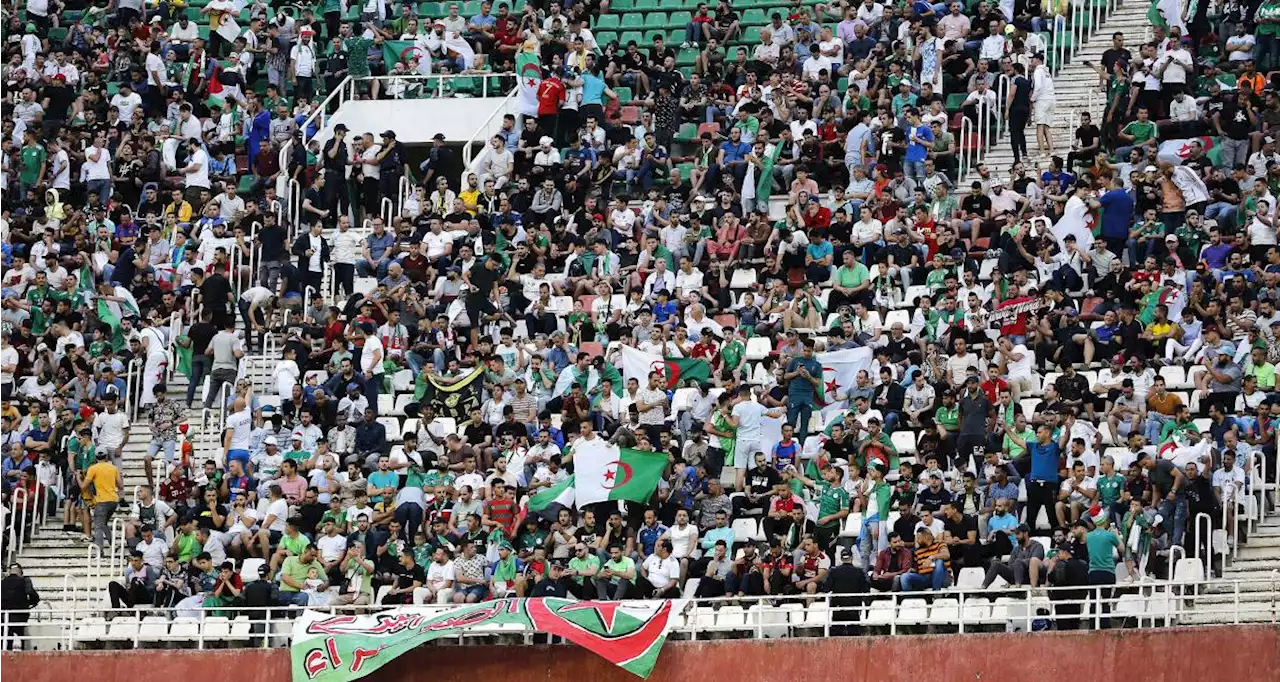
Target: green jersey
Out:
[621,566]
[1267,18]
[1100,543]
[33,158]
[1141,131]
[1109,489]
[357,49]
[831,499]
[588,564]
[948,416]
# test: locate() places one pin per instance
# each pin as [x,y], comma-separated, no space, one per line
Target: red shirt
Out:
[1018,327]
[993,387]
[819,218]
[550,94]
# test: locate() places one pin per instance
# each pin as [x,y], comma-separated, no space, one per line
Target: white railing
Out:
[1205,539]
[1139,605]
[403,191]
[175,330]
[387,210]
[1002,94]
[965,155]
[133,388]
[26,514]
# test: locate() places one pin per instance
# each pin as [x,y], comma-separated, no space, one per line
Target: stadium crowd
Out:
[1025,324]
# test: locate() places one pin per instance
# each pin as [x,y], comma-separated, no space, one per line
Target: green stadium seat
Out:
[628,37]
[686,56]
[57,36]
[649,36]
[955,101]
[688,132]
[606,37]
[246,183]
[754,17]
[646,5]
[471,9]
[622,5]
[679,19]
[686,70]
[624,94]
[655,20]
[670,5]
[750,35]
[608,21]
[430,9]
[634,20]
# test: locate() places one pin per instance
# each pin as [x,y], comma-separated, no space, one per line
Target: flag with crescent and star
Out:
[529,71]
[604,472]
[343,647]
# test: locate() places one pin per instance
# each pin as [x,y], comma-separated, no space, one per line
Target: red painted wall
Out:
[1246,653]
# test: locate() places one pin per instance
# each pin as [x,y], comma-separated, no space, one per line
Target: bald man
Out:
[235,437]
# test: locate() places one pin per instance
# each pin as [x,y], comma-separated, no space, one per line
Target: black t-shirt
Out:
[1113,55]
[339,160]
[840,449]
[214,291]
[932,501]
[476,433]
[1087,135]
[1235,121]
[60,99]
[482,279]
[205,518]
[273,240]
[760,481]
[515,429]
[406,577]
[977,205]
[973,413]
[1227,186]
[1021,93]
[972,554]
[587,536]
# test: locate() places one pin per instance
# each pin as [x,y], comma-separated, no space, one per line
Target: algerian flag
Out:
[636,364]
[560,493]
[840,372]
[111,318]
[604,472]
[764,187]
[184,358]
[529,71]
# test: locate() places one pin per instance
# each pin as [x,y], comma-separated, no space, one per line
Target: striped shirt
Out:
[924,557]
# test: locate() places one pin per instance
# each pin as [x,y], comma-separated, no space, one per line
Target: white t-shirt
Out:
[155,65]
[436,244]
[200,178]
[662,572]
[109,429]
[1086,484]
[439,575]
[100,169]
[8,356]
[304,59]
[1021,368]
[750,415]
[682,541]
[60,168]
[372,346]
[331,548]
[126,105]
[241,424]
[280,510]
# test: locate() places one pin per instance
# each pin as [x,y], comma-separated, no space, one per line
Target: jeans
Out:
[1155,422]
[1234,152]
[294,598]
[372,386]
[102,513]
[1218,210]
[914,170]
[199,368]
[1104,595]
[417,360]
[220,377]
[409,515]
[1266,52]
[804,412]
[915,582]
[1176,510]
[368,269]
[156,446]
[102,188]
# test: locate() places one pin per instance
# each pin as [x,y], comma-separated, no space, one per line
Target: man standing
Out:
[102,483]
[1042,104]
[371,357]
[165,415]
[975,410]
[804,375]
[225,351]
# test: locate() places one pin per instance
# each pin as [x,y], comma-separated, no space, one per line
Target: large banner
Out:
[340,648]
[454,397]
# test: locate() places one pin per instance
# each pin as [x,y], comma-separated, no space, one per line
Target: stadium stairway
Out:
[1076,90]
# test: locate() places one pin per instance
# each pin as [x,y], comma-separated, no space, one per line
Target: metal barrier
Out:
[17,525]
[404,190]
[1002,94]
[133,388]
[293,200]
[175,330]
[1022,609]
[965,160]
[1206,540]
[387,212]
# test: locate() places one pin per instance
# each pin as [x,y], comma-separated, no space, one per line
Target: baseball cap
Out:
[1149,169]
[270,440]
[1118,358]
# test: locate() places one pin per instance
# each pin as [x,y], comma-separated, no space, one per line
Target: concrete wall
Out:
[1244,653]
[417,121]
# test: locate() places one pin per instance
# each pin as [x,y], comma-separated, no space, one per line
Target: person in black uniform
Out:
[1019,110]
[553,585]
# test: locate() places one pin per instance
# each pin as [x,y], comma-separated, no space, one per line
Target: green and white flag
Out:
[340,648]
[561,493]
[529,71]
[603,472]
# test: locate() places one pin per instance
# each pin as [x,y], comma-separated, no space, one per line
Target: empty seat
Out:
[122,629]
[817,615]
[153,629]
[880,612]
[93,629]
[215,629]
[745,530]
[186,629]
[1130,606]
[393,428]
[944,611]
[386,403]
[913,611]
[970,578]
[758,348]
[852,526]
[904,441]
[1175,377]
[731,618]
[249,569]
[1188,570]
[976,610]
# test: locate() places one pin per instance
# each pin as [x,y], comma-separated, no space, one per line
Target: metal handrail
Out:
[799,616]
[1206,538]
[133,388]
[17,523]
[965,156]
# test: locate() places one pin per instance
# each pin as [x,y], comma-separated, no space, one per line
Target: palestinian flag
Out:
[636,364]
[605,472]
[561,494]
[451,399]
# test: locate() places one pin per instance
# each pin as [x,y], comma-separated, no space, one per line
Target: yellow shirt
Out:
[103,476]
[469,198]
[1161,330]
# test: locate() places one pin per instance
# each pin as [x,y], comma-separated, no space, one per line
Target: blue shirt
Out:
[735,152]
[383,479]
[819,250]
[593,88]
[915,150]
[648,537]
[1117,213]
[378,246]
[1006,523]
[800,387]
[1044,461]
[1216,256]
[1008,492]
